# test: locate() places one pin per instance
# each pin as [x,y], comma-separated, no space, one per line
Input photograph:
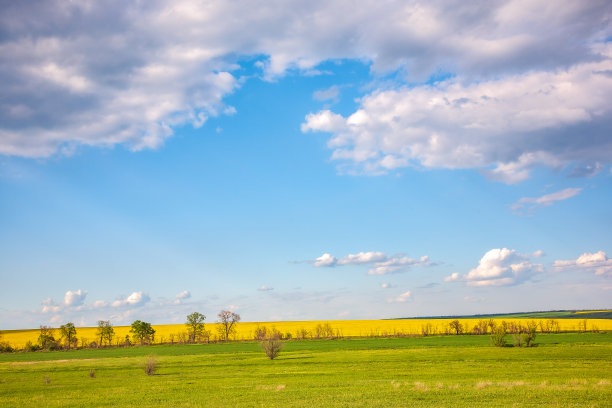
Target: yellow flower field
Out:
[299,329]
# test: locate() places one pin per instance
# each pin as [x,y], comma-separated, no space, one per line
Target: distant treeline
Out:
[557,314]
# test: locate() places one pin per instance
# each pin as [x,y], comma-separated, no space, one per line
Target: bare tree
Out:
[228,322]
[456,326]
[195,326]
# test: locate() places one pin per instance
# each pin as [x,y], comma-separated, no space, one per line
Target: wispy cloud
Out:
[404,297]
[265,288]
[527,205]
[379,262]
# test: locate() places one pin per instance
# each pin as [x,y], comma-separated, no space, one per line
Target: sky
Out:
[293,160]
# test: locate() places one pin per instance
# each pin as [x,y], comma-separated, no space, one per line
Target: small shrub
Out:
[498,336]
[31,346]
[272,347]
[92,373]
[47,379]
[150,365]
[518,339]
[528,337]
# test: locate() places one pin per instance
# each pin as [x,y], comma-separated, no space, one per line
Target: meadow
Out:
[176,333]
[563,370]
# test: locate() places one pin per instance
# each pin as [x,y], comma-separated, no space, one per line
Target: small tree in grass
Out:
[150,365]
[498,336]
[272,347]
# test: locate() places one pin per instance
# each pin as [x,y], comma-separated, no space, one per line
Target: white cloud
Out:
[387,285]
[499,267]
[380,262]
[183,295]
[264,288]
[101,74]
[527,205]
[404,297]
[504,126]
[100,304]
[49,306]
[597,262]
[135,299]
[75,298]
[325,260]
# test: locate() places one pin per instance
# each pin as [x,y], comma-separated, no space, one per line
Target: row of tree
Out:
[141,333]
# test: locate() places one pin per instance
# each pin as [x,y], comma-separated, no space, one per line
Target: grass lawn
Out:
[564,370]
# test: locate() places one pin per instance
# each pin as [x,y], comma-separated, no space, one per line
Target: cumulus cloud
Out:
[381,263]
[499,267]
[129,72]
[505,126]
[597,262]
[135,299]
[325,260]
[75,298]
[527,205]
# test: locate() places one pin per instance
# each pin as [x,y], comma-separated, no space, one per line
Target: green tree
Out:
[68,333]
[195,326]
[106,332]
[142,332]
[45,338]
[228,322]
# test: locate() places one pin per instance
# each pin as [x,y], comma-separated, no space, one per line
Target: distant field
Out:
[341,328]
[564,370]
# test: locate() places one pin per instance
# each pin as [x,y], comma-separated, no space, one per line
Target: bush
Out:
[150,365]
[31,347]
[498,336]
[92,373]
[6,348]
[272,347]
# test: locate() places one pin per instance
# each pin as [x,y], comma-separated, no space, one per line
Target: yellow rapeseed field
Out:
[313,329]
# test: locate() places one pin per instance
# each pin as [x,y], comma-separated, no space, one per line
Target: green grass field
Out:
[564,370]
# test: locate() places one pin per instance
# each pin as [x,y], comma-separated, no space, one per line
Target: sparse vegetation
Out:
[272,346]
[150,365]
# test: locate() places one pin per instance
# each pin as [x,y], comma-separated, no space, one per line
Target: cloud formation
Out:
[135,299]
[597,262]
[499,267]
[129,72]
[504,126]
[75,298]
[527,205]
[379,262]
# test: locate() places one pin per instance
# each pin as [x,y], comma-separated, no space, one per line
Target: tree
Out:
[105,332]
[456,326]
[142,332]
[45,338]
[68,333]
[228,322]
[195,326]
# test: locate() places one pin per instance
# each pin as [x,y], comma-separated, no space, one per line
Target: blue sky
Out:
[301,162]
